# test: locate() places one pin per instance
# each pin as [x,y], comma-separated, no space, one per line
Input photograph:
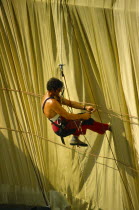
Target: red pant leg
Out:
[96,127]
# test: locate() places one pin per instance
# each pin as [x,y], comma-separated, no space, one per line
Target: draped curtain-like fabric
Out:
[98,43]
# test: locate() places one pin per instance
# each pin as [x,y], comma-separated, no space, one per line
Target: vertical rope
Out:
[65,82]
[61,33]
[61,50]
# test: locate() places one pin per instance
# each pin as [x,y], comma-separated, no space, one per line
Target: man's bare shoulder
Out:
[52,102]
[48,99]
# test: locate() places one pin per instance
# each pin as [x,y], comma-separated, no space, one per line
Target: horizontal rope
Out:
[120,114]
[90,154]
[21,91]
[115,115]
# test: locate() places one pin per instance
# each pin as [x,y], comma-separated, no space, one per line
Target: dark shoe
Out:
[76,142]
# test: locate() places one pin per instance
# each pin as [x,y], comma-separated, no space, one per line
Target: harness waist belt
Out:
[55,118]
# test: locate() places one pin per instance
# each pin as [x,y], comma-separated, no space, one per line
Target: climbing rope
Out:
[65,83]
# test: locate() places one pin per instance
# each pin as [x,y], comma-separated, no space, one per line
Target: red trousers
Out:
[79,127]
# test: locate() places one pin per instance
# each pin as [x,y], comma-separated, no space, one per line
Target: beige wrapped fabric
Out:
[98,43]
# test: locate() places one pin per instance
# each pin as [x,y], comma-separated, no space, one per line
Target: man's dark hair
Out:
[54,84]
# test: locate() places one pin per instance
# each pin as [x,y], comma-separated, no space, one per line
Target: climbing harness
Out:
[61,124]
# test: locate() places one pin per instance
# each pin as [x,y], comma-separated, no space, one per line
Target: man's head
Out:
[54,84]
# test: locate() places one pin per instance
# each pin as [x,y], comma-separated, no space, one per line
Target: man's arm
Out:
[73,104]
[77,105]
[56,107]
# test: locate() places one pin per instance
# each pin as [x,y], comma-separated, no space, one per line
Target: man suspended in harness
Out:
[64,123]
